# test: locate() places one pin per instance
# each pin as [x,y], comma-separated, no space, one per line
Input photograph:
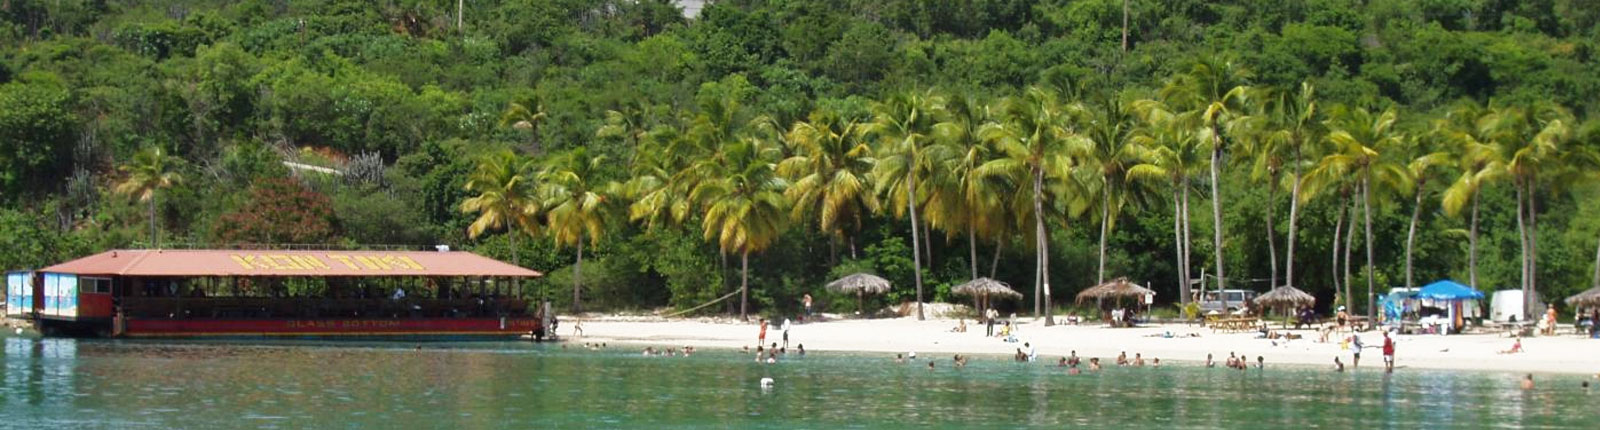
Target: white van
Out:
[1212,300]
[1506,306]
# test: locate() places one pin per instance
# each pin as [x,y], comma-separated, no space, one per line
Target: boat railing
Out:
[304,307]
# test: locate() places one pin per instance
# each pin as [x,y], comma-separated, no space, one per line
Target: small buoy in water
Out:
[19,330]
[766,382]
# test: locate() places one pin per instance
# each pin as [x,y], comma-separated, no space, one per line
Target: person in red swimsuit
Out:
[1388,353]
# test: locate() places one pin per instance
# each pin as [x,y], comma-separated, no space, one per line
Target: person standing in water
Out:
[1388,353]
[786,333]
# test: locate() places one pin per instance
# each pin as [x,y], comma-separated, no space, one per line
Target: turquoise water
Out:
[65,384]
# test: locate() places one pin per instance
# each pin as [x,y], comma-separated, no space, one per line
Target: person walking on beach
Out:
[807,301]
[1388,353]
[989,317]
[761,339]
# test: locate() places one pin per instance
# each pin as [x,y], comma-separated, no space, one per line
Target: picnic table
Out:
[1230,323]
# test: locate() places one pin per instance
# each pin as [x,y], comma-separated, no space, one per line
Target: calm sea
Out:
[67,384]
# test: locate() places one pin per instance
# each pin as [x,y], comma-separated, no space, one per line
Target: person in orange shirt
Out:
[761,339]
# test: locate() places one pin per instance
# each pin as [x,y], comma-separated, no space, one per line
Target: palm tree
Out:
[503,181]
[744,203]
[829,174]
[1292,121]
[1360,137]
[575,208]
[903,125]
[1034,133]
[1423,157]
[1479,164]
[151,170]
[1530,140]
[1215,90]
[1169,150]
[978,201]
[1110,129]
[523,117]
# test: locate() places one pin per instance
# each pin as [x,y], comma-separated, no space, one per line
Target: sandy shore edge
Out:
[1567,354]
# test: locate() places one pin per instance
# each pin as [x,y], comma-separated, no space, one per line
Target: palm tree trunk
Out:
[1124,25]
[994,264]
[1105,222]
[1472,245]
[1597,264]
[1272,243]
[577,280]
[1366,209]
[1349,244]
[1044,243]
[1188,240]
[1338,228]
[516,260]
[1177,247]
[744,284]
[972,251]
[153,238]
[1294,222]
[1533,238]
[1522,238]
[916,255]
[1216,209]
[1411,234]
[927,243]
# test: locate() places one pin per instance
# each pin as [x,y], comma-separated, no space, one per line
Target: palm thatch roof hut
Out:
[1587,298]
[859,284]
[1286,296]
[1115,288]
[982,289]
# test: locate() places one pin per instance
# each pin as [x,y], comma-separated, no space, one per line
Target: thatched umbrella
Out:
[1285,297]
[1117,288]
[860,284]
[982,289]
[1587,298]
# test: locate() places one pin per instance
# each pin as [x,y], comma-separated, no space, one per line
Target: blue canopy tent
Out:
[1452,296]
[1448,290]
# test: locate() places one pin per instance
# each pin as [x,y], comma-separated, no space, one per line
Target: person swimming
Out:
[1527,382]
[1094,364]
[1209,362]
[1338,366]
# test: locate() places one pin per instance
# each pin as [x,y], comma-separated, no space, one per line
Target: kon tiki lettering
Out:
[315,263]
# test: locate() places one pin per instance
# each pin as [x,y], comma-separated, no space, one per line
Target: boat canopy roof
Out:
[298,263]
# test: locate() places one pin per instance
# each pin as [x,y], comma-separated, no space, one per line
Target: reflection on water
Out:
[91,383]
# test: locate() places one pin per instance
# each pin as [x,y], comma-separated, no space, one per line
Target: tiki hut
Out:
[1587,299]
[1115,288]
[1285,297]
[859,284]
[982,289]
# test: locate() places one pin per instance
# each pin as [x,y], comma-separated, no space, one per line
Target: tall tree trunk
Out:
[153,237]
[1533,238]
[1105,224]
[1124,25]
[744,284]
[852,247]
[1522,238]
[516,260]
[1188,239]
[994,265]
[927,243]
[1596,264]
[460,7]
[1366,209]
[916,256]
[1216,211]
[1044,243]
[1272,243]
[1338,229]
[1411,233]
[972,251]
[1349,244]
[1177,247]
[577,280]
[1472,245]
[1294,222]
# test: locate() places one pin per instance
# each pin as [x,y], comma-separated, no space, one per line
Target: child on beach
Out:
[1515,347]
[761,339]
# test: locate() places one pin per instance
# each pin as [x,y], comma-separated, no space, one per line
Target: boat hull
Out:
[343,328]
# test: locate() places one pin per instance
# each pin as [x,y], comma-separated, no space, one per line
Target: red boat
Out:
[278,294]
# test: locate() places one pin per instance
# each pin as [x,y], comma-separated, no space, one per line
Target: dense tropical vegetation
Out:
[631,151]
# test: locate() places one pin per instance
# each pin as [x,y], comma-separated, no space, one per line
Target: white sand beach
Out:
[1560,354]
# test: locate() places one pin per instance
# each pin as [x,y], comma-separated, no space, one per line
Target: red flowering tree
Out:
[280,210]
